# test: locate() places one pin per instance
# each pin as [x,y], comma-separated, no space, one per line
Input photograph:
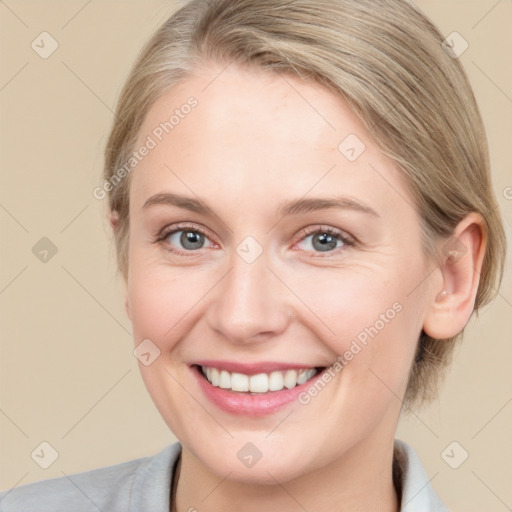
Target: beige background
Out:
[68,375]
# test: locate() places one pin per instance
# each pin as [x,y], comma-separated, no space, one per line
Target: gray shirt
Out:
[143,485]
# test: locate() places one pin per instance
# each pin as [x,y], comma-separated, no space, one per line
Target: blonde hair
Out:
[384,58]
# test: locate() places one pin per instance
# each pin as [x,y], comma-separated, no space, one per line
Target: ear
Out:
[451,305]
[114,219]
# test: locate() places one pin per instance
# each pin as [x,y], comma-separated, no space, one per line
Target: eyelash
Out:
[303,233]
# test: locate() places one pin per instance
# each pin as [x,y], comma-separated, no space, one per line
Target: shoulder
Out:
[114,488]
[418,495]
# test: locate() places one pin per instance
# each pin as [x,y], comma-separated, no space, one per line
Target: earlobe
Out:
[461,258]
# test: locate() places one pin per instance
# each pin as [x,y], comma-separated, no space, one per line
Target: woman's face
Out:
[231,268]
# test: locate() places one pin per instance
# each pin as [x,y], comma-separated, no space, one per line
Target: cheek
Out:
[368,318]
[345,301]
[161,301]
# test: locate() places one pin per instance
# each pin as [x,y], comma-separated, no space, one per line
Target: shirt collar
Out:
[151,486]
[418,495]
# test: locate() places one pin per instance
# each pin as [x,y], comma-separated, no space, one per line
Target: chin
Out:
[257,462]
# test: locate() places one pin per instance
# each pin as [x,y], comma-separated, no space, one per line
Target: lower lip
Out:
[260,404]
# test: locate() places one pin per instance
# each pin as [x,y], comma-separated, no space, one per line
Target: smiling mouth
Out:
[258,383]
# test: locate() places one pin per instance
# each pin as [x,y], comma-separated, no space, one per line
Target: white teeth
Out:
[239,382]
[290,379]
[225,380]
[214,376]
[259,383]
[275,381]
[310,373]
[302,377]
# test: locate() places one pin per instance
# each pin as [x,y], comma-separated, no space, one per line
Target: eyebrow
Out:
[294,207]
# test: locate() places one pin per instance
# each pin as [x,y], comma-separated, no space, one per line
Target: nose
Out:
[250,304]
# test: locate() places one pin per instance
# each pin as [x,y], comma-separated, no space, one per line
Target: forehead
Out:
[259,134]
[236,102]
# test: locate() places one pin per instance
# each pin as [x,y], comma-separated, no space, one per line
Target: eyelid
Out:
[342,235]
[167,230]
[348,240]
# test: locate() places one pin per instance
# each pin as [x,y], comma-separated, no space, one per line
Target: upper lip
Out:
[252,368]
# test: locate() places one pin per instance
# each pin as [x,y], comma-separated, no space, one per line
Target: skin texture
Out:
[254,141]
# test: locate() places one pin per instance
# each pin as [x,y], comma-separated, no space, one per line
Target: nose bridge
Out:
[248,306]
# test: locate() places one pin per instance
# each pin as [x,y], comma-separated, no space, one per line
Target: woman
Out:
[300,198]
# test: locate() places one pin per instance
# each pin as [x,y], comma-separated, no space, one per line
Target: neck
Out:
[359,481]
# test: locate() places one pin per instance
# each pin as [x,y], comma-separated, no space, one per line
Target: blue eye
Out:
[325,239]
[183,239]
[187,239]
